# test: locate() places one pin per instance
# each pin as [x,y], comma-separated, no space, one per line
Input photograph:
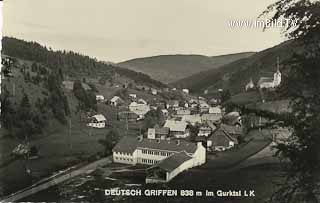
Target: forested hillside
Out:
[170,68]
[70,63]
[236,75]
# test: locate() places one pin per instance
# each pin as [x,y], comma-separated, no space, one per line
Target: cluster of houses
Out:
[175,147]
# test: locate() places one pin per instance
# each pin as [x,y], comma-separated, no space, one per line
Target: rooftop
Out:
[129,144]
[177,126]
[173,162]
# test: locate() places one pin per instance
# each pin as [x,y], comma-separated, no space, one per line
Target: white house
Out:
[178,129]
[116,101]
[139,109]
[99,98]
[186,91]
[154,91]
[158,133]
[182,112]
[215,110]
[165,112]
[132,96]
[97,121]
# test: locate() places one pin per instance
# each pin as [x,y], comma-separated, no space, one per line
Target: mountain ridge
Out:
[170,68]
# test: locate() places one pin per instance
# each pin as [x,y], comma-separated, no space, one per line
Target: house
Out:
[178,129]
[192,119]
[186,91]
[232,130]
[132,97]
[215,110]
[221,140]
[165,113]
[132,150]
[157,132]
[174,104]
[97,121]
[139,109]
[183,112]
[116,101]
[205,131]
[215,118]
[127,116]
[99,98]
[154,91]
[204,106]
[232,118]
[142,101]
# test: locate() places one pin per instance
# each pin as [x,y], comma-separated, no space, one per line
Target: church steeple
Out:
[277,75]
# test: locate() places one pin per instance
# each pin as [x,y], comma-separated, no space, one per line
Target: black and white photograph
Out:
[163,101]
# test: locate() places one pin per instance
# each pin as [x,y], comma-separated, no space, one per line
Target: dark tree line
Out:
[70,63]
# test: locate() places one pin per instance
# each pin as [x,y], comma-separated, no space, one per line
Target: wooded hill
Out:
[236,75]
[71,63]
[170,68]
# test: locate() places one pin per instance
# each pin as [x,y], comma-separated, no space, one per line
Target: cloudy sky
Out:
[117,30]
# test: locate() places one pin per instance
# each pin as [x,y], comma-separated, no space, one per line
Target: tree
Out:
[303,88]
[109,142]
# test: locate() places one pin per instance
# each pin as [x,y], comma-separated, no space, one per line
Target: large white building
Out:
[268,82]
[138,150]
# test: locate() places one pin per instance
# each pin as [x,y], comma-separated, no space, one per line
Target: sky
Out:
[119,30]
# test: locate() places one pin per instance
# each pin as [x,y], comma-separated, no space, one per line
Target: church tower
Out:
[277,75]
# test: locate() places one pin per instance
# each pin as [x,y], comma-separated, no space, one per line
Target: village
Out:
[190,129]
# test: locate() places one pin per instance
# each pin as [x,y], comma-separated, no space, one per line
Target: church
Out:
[266,82]
[269,82]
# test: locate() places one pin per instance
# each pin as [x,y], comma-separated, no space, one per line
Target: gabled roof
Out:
[220,134]
[196,118]
[177,126]
[115,98]
[162,131]
[172,162]
[265,80]
[183,112]
[233,130]
[99,117]
[127,144]
[211,117]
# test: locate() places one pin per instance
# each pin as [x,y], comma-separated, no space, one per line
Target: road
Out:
[56,179]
